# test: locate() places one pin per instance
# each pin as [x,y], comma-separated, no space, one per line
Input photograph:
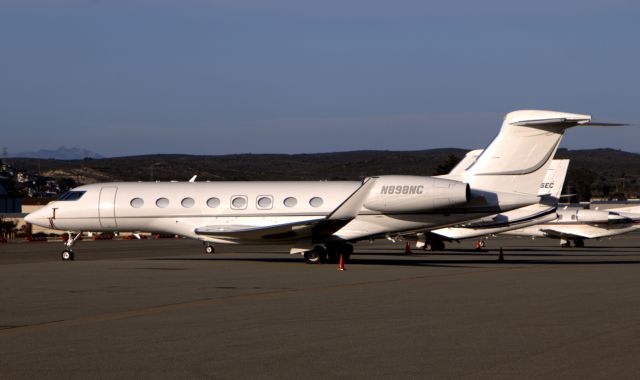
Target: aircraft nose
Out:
[37,217]
[29,218]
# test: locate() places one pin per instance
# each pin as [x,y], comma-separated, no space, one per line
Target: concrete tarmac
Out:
[164,309]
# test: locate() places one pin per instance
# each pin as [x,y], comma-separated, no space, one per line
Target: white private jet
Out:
[544,211]
[577,225]
[322,218]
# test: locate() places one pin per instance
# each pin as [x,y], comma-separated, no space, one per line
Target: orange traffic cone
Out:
[341,263]
[407,249]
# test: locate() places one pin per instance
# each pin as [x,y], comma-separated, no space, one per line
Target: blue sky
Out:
[283,76]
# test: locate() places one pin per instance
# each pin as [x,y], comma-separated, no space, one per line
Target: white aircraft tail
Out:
[517,160]
[554,179]
[464,164]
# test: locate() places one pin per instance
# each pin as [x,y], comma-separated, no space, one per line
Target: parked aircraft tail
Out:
[553,181]
[518,158]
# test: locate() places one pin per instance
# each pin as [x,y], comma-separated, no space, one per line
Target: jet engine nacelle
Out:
[412,193]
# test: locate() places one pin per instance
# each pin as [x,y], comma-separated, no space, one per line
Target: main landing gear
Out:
[433,245]
[566,243]
[330,254]
[68,254]
[209,249]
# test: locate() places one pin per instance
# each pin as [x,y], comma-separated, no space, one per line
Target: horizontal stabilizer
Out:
[566,122]
[556,121]
[609,124]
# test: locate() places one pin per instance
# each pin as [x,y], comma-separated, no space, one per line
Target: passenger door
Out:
[107,209]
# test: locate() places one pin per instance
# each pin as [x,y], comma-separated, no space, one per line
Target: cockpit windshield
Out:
[71,196]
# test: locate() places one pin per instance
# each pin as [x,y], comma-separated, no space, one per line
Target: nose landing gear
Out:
[68,254]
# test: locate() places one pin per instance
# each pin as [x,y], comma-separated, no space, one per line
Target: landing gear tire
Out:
[70,241]
[208,249]
[579,243]
[436,245]
[317,255]
[67,255]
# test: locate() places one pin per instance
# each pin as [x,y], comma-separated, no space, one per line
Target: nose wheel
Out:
[67,255]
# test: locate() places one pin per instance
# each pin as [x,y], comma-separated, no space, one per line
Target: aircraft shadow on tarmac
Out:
[534,253]
[436,260]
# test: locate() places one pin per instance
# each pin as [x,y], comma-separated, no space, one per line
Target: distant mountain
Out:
[62,153]
[598,172]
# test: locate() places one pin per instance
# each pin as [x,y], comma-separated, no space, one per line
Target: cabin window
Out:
[265,202]
[573,216]
[290,202]
[213,202]
[316,202]
[188,202]
[71,196]
[162,202]
[239,202]
[137,202]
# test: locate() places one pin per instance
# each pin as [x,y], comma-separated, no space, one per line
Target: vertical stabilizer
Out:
[517,160]
[554,179]
[464,164]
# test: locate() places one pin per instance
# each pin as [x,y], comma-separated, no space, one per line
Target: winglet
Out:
[350,207]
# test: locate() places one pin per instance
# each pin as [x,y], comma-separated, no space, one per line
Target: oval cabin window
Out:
[239,203]
[316,202]
[162,202]
[264,202]
[213,202]
[290,202]
[188,202]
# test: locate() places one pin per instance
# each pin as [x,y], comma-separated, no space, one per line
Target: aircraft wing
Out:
[269,232]
[584,231]
[320,226]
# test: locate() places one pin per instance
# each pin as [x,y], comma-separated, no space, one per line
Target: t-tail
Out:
[517,160]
